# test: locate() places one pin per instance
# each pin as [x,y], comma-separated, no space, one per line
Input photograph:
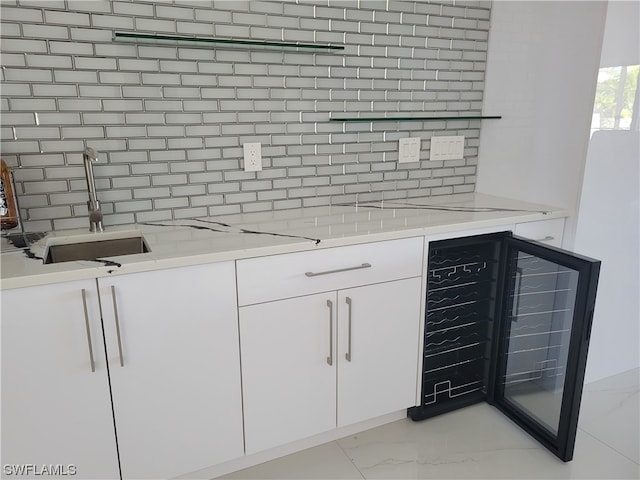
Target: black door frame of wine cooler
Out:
[588,269]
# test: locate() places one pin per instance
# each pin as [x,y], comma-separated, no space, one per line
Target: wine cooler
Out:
[508,322]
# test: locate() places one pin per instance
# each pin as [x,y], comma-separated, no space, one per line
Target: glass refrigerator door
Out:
[543,341]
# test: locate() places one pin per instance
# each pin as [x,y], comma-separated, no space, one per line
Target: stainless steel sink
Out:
[95,249]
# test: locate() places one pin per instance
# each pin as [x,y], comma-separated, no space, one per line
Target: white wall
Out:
[542,66]
[608,225]
[621,44]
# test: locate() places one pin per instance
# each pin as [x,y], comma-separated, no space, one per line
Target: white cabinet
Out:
[382,322]
[55,406]
[171,341]
[297,380]
[289,387]
[175,374]
[549,232]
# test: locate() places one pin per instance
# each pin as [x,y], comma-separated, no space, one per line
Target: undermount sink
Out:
[95,249]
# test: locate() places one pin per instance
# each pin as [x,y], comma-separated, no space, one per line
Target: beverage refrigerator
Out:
[508,322]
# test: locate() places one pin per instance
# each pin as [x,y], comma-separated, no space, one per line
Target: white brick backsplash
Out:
[138,65]
[32,133]
[95,63]
[31,104]
[42,31]
[23,45]
[122,105]
[174,13]
[169,121]
[215,15]
[83,132]
[21,14]
[66,18]
[267,7]
[142,92]
[134,206]
[154,25]
[133,9]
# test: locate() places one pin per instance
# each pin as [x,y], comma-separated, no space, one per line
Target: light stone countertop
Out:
[231,237]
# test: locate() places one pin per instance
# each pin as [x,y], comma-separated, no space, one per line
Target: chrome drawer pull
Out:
[86,324]
[348,354]
[327,272]
[548,238]
[330,357]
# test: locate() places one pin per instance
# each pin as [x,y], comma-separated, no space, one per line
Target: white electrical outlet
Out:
[409,150]
[252,157]
[447,148]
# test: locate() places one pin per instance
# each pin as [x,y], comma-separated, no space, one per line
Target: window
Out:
[616,103]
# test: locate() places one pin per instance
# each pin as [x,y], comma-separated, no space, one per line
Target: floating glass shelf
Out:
[402,118]
[160,39]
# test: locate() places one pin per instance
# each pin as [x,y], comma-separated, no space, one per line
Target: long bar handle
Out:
[348,354]
[86,324]
[330,357]
[516,294]
[328,272]
[115,314]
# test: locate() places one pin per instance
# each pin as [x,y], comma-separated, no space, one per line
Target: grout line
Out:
[607,445]
[349,458]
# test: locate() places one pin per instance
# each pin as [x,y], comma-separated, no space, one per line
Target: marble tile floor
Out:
[479,442]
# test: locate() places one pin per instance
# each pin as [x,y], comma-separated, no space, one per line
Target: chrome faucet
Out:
[95,214]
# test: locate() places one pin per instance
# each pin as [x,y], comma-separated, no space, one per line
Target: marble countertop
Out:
[231,237]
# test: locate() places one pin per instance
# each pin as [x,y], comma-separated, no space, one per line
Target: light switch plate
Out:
[252,157]
[409,150]
[447,148]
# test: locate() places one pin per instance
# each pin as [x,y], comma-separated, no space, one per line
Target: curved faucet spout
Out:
[95,213]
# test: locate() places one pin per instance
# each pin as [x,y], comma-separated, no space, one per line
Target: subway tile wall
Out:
[169,121]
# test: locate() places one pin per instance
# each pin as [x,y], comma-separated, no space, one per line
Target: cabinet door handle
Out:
[548,238]
[516,294]
[330,357]
[115,314]
[86,324]
[348,354]
[327,272]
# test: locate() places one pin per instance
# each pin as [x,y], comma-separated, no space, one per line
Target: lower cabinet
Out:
[172,345]
[55,404]
[172,355]
[380,374]
[317,362]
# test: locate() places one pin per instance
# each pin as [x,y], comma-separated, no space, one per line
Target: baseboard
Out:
[280,451]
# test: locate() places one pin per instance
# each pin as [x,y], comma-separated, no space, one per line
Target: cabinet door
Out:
[55,405]
[543,341]
[378,339]
[549,232]
[175,371]
[288,369]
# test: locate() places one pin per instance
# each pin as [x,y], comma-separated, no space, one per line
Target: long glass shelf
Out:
[211,42]
[402,118]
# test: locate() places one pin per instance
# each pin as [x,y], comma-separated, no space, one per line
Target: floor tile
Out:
[326,461]
[476,442]
[479,442]
[610,411]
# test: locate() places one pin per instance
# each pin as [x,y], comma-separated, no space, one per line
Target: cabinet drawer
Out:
[282,276]
[548,232]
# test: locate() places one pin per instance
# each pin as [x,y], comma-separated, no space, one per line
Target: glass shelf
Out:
[203,42]
[403,118]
